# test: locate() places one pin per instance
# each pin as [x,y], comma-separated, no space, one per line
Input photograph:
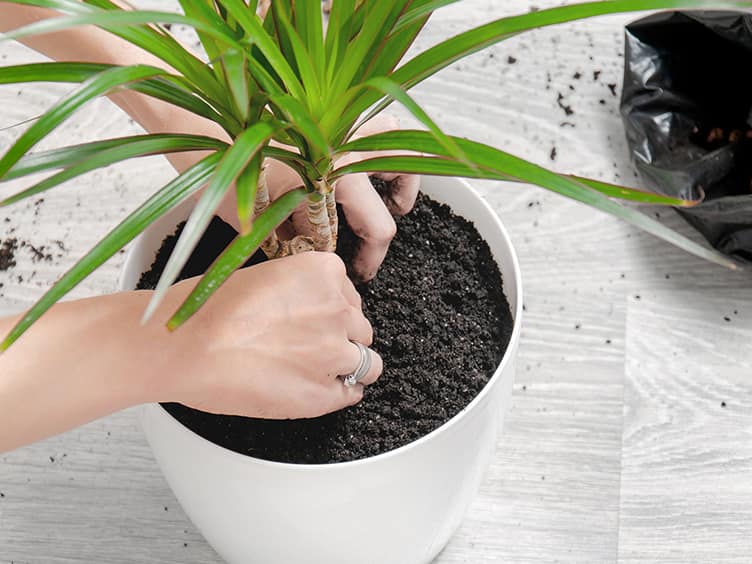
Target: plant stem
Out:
[271,246]
[322,215]
[318,217]
[331,210]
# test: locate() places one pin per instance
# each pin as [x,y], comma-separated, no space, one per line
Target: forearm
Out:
[81,361]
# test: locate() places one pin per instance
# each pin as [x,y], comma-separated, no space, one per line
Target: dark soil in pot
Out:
[441,323]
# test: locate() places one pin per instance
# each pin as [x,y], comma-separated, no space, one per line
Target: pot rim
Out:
[506,359]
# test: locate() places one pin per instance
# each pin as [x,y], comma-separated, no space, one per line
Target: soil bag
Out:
[687,109]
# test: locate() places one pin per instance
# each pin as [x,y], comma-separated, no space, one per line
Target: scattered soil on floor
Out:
[8,254]
[441,323]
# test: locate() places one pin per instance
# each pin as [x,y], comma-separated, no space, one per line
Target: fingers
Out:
[402,193]
[358,327]
[351,294]
[376,369]
[369,219]
[339,395]
[353,363]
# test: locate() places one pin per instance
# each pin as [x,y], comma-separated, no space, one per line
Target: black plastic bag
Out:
[687,109]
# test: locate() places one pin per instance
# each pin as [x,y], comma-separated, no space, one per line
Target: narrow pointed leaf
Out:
[447,52]
[112,19]
[66,156]
[362,51]
[201,10]
[257,35]
[141,147]
[236,254]
[162,87]
[235,65]
[338,33]
[246,187]
[299,54]
[50,72]
[506,165]
[160,203]
[633,194]
[420,11]
[486,157]
[395,91]
[435,166]
[310,27]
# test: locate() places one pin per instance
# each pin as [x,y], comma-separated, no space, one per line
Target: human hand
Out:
[368,213]
[271,343]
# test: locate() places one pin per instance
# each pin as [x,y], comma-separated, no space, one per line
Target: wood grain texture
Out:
[561,487]
[686,493]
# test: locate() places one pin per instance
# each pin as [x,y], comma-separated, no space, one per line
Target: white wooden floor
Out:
[630,435]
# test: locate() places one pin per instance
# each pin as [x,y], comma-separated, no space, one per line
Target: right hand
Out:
[271,342]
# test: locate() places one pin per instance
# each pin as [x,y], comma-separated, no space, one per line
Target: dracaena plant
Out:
[287,86]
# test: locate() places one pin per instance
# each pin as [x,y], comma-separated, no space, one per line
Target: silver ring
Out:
[363,366]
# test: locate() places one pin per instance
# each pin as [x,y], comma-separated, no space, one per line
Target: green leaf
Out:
[310,27]
[297,52]
[634,195]
[167,88]
[419,10]
[235,66]
[393,90]
[395,45]
[436,166]
[338,33]
[160,203]
[293,160]
[236,254]
[246,188]
[257,35]
[447,52]
[122,150]
[363,49]
[343,112]
[66,156]
[98,85]
[110,19]
[50,72]
[235,159]
[61,158]
[201,10]
[492,161]
[422,142]
[443,54]
[301,120]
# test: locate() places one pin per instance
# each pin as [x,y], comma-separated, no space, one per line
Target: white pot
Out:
[400,507]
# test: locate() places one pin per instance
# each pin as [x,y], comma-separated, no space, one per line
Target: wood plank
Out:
[686,493]
[552,490]
[93,495]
